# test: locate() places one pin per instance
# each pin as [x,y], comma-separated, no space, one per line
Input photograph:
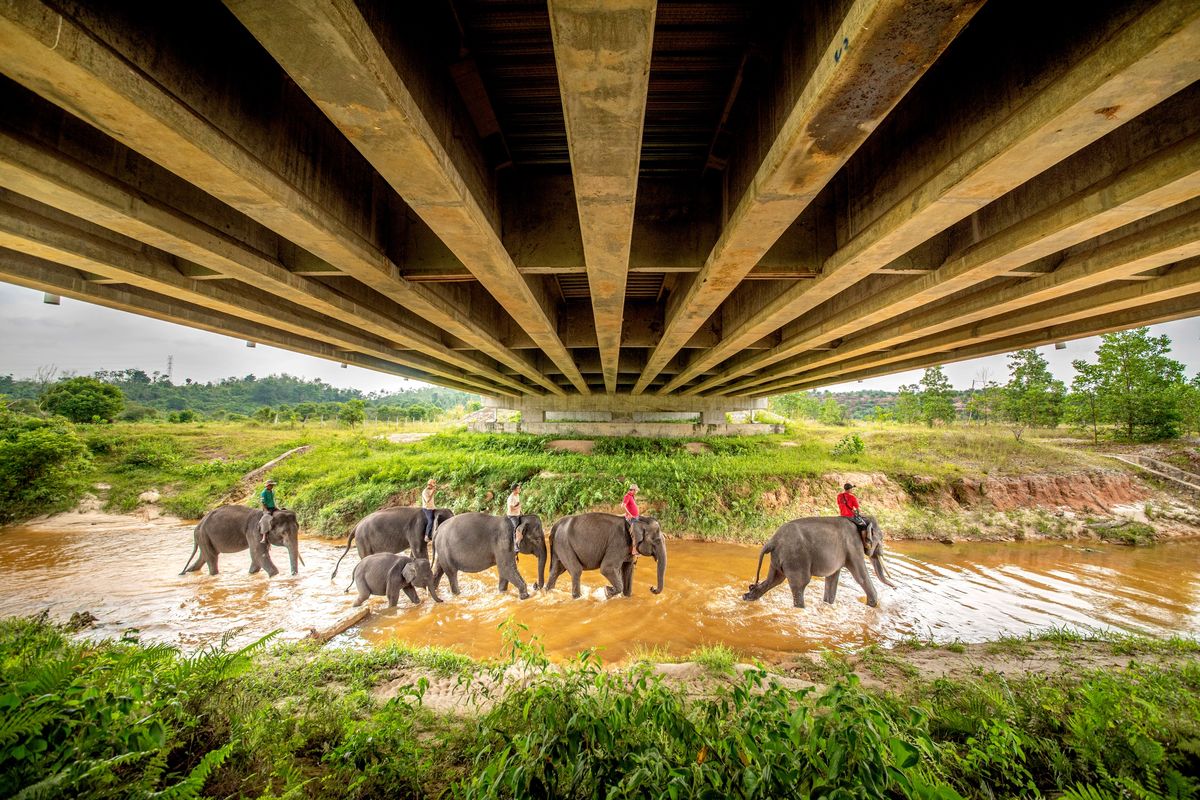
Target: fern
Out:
[191,786]
[1082,792]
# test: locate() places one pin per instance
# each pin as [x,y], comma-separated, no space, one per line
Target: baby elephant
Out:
[821,546]
[390,573]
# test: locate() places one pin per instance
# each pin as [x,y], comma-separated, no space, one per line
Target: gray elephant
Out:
[389,574]
[821,546]
[392,530]
[231,529]
[474,542]
[599,541]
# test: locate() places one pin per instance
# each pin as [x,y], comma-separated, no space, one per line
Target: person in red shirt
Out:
[848,507]
[629,503]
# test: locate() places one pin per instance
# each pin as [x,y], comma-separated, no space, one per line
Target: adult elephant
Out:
[600,541]
[821,546]
[474,542]
[392,530]
[231,529]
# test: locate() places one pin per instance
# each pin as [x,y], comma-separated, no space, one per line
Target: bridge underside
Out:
[657,206]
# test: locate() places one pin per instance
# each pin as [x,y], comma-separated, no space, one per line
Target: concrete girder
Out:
[44,276]
[76,189]
[1168,178]
[834,113]
[91,249]
[86,77]
[330,51]
[602,51]
[1136,68]
[1178,308]
[1182,280]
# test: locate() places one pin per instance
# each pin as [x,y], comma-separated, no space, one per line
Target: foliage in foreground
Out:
[123,720]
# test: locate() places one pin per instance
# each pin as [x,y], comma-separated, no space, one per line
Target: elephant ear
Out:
[264,524]
[409,572]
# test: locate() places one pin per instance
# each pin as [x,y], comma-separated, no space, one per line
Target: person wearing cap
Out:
[512,510]
[267,500]
[428,506]
[629,503]
[848,507]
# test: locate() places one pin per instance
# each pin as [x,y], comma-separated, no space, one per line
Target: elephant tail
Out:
[186,566]
[767,548]
[349,541]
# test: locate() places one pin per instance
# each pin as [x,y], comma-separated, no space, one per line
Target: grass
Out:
[716,658]
[302,722]
[742,489]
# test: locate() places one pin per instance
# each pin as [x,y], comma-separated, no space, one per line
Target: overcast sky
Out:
[81,338]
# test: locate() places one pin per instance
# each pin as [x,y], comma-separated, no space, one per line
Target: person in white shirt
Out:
[513,511]
[428,506]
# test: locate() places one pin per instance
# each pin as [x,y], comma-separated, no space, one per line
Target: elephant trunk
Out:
[877,562]
[660,556]
[293,548]
[541,569]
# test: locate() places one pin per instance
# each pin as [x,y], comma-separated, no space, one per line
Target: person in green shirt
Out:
[268,501]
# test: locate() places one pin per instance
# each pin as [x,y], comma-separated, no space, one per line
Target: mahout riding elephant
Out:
[392,530]
[821,546]
[600,541]
[473,542]
[231,529]
[389,574]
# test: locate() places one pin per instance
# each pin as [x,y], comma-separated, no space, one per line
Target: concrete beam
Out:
[1166,311]
[602,51]
[44,276]
[57,57]
[877,53]
[1136,68]
[331,52]
[56,180]
[1166,243]
[626,404]
[91,249]
[1181,281]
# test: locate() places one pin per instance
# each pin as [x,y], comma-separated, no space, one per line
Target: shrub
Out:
[186,415]
[84,400]
[850,445]
[135,412]
[43,466]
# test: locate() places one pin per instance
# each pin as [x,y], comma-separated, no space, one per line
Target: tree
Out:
[908,405]
[352,413]
[1189,406]
[982,403]
[936,397]
[1032,397]
[43,465]
[796,405]
[83,400]
[1083,403]
[831,413]
[1138,384]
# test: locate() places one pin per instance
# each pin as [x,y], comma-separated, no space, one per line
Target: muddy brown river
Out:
[967,591]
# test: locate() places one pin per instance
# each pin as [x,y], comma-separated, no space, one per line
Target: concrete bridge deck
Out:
[610,204]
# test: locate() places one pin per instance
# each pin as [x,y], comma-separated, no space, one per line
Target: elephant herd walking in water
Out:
[474,542]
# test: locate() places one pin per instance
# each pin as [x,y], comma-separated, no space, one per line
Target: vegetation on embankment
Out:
[119,719]
[913,478]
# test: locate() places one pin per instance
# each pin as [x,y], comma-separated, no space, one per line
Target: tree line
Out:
[1132,390]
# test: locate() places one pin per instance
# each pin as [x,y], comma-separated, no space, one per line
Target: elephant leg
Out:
[363,594]
[412,595]
[573,566]
[798,580]
[452,575]
[858,570]
[509,574]
[438,572]
[627,577]
[831,582]
[773,579]
[576,586]
[502,586]
[210,555]
[556,569]
[613,573]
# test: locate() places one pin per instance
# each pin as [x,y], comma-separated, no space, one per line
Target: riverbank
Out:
[944,484]
[300,721]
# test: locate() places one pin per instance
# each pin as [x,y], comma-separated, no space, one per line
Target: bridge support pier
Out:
[627,415]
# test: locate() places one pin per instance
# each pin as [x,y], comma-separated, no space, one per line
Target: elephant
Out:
[390,573]
[231,529]
[600,541]
[473,542]
[821,546]
[392,530]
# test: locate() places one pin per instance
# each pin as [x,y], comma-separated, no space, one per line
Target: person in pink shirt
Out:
[631,513]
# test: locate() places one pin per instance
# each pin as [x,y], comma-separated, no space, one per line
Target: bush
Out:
[43,466]
[849,446]
[84,400]
[135,412]
[186,415]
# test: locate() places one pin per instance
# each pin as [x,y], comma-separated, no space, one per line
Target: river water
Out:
[966,591]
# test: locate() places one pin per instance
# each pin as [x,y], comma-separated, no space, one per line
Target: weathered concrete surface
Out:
[602,50]
[676,430]
[842,102]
